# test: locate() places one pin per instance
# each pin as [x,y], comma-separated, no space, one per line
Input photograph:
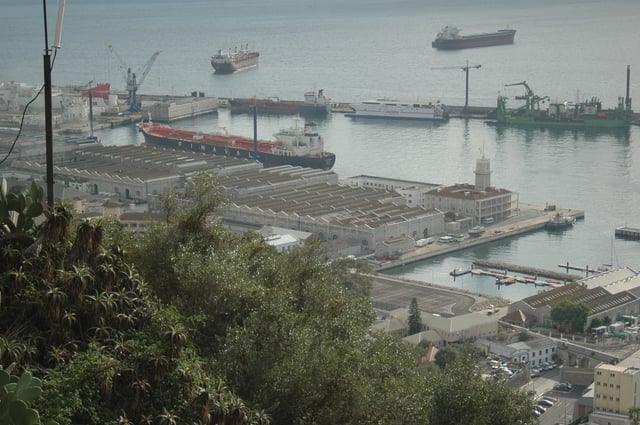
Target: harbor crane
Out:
[133,83]
[532,99]
[466,71]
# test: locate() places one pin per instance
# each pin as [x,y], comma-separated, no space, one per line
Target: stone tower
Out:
[483,173]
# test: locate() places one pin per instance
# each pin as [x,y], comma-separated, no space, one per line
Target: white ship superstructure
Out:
[394,109]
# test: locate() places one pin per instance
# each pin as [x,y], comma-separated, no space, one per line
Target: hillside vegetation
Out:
[192,324]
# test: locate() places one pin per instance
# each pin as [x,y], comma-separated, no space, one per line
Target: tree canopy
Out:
[191,323]
[570,316]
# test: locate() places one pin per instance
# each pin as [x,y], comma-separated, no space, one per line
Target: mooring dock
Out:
[534,271]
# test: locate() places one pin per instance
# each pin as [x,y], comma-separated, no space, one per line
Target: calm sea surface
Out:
[358,50]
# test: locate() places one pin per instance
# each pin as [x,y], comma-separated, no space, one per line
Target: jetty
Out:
[500,265]
[625,232]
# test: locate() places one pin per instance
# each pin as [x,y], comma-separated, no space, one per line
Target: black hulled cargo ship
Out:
[232,61]
[450,39]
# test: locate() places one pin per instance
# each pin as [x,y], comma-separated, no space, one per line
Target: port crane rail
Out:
[134,83]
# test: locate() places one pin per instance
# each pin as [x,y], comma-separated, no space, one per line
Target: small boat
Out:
[451,39]
[506,280]
[476,231]
[396,110]
[231,61]
[459,272]
[560,221]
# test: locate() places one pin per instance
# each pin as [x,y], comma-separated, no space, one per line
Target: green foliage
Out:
[226,331]
[570,316]
[461,396]
[16,395]
[76,312]
[415,321]
[18,211]
[596,322]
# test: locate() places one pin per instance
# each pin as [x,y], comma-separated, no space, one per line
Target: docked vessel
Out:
[231,61]
[560,221]
[296,146]
[564,115]
[450,39]
[393,109]
[314,103]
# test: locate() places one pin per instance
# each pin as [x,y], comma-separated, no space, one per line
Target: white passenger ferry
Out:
[394,109]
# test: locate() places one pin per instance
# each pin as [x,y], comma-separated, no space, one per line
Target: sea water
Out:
[363,49]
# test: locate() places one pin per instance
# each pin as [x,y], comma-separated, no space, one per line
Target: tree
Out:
[415,321]
[570,316]
[461,396]
[77,316]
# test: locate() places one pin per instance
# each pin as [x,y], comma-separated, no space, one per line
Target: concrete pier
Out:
[528,219]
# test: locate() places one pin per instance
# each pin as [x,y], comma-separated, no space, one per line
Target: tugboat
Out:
[560,221]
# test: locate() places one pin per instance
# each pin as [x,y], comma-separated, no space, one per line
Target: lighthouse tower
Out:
[483,173]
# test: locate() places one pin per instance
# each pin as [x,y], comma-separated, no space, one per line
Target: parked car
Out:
[535,372]
[540,407]
[562,386]
[544,403]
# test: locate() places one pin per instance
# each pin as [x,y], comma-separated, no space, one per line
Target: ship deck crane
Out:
[466,71]
[532,99]
[133,83]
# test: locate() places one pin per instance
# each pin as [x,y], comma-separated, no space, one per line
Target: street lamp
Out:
[48,115]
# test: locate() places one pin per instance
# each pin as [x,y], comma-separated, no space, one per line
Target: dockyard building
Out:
[454,329]
[609,295]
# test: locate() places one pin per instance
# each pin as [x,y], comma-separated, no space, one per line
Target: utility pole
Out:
[48,114]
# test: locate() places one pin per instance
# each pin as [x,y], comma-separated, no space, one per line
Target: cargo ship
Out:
[397,110]
[231,61]
[295,146]
[315,103]
[584,115]
[450,39]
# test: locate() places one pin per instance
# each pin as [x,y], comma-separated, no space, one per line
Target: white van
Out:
[488,220]
[424,242]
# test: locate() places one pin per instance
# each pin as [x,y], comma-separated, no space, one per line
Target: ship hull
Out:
[231,65]
[396,117]
[284,107]
[324,162]
[577,124]
[501,37]
[395,110]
